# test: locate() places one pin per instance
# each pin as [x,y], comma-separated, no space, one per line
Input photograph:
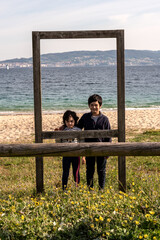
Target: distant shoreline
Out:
[87,58]
[49,112]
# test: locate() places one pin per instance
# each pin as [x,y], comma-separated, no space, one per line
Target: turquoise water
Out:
[69,88]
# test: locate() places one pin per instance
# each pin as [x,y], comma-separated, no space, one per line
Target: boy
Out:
[95,120]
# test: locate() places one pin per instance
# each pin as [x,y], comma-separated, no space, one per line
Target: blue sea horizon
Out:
[69,88]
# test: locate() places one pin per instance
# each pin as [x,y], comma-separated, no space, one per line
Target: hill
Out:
[88,58]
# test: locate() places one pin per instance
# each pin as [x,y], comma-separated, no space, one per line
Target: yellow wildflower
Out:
[22,217]
[13,209]
[147,215]
[140,237]
[96,219]
[136,222]
[145,236]
[152,212]
[120,197]
[101,219]
[108,219]
[120,192]
[92,225]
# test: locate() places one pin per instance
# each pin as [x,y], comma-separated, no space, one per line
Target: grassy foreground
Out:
[78,213]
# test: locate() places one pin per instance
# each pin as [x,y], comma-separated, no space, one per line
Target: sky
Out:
[140,20]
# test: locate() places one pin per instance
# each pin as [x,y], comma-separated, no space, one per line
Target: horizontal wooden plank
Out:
[80,149]
[79,134]
[78,34]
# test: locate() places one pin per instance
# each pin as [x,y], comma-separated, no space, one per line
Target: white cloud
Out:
[121,19]
[18,18]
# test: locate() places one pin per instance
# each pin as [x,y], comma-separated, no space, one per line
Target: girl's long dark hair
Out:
[69,113]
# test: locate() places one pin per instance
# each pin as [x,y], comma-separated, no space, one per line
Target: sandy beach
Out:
[19,127]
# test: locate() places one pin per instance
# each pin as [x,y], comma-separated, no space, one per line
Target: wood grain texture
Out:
[79,134]
[80,149]
[79,34]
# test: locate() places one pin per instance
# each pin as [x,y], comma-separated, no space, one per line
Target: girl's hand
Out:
[61,128]
[83,160]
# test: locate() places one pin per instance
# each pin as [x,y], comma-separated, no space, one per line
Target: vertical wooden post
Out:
[121,108]
[37,108]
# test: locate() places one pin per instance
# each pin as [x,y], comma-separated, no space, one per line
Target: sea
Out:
[69,88]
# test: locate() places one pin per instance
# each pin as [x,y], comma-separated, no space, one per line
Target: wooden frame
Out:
[83,149]
[39,134]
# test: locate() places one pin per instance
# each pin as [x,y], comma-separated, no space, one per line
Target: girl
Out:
[70,121]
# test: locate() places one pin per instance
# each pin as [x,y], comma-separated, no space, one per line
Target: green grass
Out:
[79,213]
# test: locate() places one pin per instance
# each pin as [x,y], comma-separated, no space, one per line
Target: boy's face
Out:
[70,123]
[95,108]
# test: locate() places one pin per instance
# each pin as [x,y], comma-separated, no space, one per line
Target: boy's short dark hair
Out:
[69,113]
[95,98]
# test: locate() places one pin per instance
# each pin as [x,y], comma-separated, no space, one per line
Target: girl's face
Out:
[70,123]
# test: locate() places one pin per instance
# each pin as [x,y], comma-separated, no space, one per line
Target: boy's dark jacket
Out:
[88,123]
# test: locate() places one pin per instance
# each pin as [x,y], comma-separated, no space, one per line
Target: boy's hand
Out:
[83,160]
